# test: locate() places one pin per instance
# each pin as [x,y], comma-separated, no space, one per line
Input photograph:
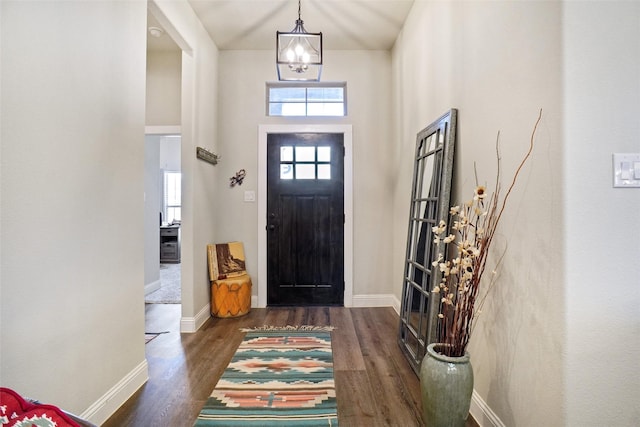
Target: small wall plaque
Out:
[206,155]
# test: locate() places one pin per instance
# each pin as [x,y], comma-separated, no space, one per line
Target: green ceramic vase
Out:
[447,385]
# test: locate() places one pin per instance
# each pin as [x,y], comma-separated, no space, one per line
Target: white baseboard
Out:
[378,300]
[482,413]
[396,304]
[373,300]
[191,324]
[109,403]
[153,286]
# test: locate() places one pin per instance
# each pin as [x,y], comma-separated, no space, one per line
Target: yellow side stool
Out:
[231,297]
[230,283]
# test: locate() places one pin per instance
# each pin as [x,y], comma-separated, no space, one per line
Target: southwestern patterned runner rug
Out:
[277,377]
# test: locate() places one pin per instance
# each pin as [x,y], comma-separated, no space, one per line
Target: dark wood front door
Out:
[305,219]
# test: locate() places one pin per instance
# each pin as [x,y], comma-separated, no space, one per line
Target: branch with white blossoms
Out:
[467,241]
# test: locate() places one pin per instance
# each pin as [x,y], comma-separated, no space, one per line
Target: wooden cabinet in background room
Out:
[170,244]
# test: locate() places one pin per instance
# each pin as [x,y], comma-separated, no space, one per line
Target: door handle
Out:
[271,227]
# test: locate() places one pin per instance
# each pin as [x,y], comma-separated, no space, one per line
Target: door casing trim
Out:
[346,131]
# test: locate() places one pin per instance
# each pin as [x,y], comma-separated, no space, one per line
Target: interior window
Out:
[172,197]
[305,162]
[307,99]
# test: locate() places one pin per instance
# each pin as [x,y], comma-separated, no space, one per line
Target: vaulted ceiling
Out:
[252,24]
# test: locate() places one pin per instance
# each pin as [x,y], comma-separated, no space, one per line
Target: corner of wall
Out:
[192,324]
[109,403]
[482,413]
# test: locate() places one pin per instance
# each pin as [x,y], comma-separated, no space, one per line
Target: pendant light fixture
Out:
[299,53]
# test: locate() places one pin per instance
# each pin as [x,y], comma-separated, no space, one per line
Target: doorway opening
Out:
[305,205]
[163,200]
[264,132]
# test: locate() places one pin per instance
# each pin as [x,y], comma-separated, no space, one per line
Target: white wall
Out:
[242,109]
[72,317]
[457,54]
[164,74]
[199,126]
[73,116]
[152,208]
[548,349]
[601,49]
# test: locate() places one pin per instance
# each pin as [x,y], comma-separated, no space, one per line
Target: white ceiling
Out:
[252,24]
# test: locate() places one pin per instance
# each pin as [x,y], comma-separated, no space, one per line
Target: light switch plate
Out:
[626,169]
[249,196]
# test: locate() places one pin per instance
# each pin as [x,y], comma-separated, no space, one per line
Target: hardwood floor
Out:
[375,386]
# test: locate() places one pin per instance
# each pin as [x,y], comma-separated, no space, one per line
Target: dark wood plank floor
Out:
[375,386]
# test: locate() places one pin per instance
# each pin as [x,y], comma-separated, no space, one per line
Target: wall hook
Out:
[207,156]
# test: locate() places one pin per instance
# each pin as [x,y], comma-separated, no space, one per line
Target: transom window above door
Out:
[305,162]
[307,99]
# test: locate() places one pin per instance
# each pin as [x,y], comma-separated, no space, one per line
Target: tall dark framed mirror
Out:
[430,196]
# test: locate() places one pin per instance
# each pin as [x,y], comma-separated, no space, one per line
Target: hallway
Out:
[374,384]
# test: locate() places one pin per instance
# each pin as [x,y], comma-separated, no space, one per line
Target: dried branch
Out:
[472,227]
